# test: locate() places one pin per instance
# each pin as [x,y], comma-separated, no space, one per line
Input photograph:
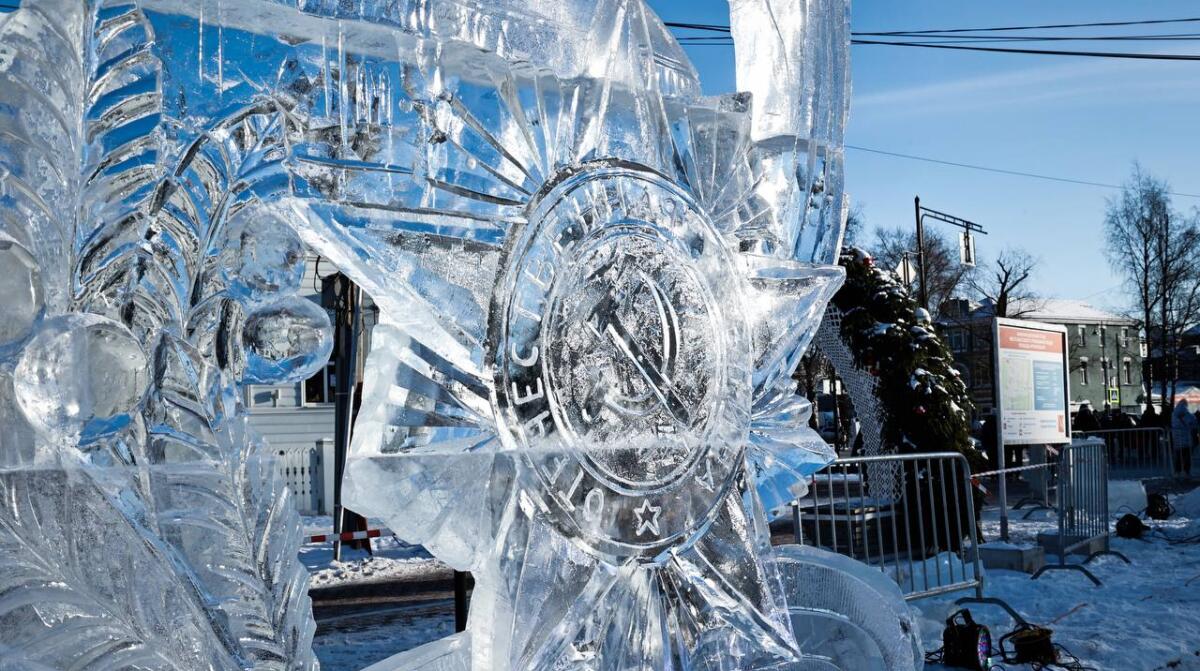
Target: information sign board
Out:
[1031,372]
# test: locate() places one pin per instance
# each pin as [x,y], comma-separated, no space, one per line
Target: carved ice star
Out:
[593,291]
[645,524]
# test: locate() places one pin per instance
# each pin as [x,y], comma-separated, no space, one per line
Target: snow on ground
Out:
[393,559]
[1146,616]
[352,642]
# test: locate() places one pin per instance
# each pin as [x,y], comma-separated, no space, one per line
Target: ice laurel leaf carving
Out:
[140,515]
[67,592]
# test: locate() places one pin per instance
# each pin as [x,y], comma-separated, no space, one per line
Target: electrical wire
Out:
[987,39]
[1126,55]
[1042,52]
[1003,171]
[974,46]
[888,33]
[1097,24]
[697,26]
[724,40]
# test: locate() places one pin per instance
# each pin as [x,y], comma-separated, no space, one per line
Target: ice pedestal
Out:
[848,612]
[846,616]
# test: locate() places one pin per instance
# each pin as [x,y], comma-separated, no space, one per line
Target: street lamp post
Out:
[920,213]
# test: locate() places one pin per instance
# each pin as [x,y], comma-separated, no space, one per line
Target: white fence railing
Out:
[308,473]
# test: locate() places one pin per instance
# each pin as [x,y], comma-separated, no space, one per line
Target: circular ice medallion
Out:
[618,360]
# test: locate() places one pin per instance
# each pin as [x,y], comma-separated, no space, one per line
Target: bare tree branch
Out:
[1005,282]
[1155,249]
[945,273]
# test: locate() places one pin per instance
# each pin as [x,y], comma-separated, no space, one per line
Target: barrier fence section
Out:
[1135,453]
[1083,517]
[911,516]
[1041,473]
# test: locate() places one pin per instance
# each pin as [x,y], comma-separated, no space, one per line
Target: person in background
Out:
[1183,437]
[1149,418]
[987,436]
[855,439]
[1107,421]
[1126,444]
[1085,419]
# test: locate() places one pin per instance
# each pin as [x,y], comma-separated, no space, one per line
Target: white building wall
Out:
[294,428]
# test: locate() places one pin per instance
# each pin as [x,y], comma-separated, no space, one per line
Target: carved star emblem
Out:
[594,285]
[647,518]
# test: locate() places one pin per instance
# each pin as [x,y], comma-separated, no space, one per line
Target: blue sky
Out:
[1081,118]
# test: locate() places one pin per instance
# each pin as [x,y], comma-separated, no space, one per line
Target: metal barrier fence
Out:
[1134,454]
[1041,473]
[911,516]
[1083,518]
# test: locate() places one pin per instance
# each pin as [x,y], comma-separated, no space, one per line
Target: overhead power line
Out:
[957,39]
[1044,52]
[712,27]
[1016,173]
[1012,50]
[1097,24]
[988,39]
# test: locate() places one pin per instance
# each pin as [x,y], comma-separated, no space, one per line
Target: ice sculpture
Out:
[849,614]
[594,284]
[142,280]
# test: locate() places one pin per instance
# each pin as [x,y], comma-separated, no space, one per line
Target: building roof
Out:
[1061,310]
[1053,310]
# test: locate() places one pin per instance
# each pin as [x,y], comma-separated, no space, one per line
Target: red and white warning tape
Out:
[349,536]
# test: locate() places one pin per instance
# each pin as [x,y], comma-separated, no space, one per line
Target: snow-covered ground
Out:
[352,642]
[1146,616]
[393,559]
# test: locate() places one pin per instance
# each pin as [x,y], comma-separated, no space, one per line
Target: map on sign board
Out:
[1031,365]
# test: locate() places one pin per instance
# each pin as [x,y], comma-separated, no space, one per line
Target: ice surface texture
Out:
[848,613]
[143,279]
[594,284]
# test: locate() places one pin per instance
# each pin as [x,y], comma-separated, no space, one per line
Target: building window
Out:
[320,387]
[1127,370]
[1083,371]
[1082,335]
[957,340]
[1124,338]
[982,375]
